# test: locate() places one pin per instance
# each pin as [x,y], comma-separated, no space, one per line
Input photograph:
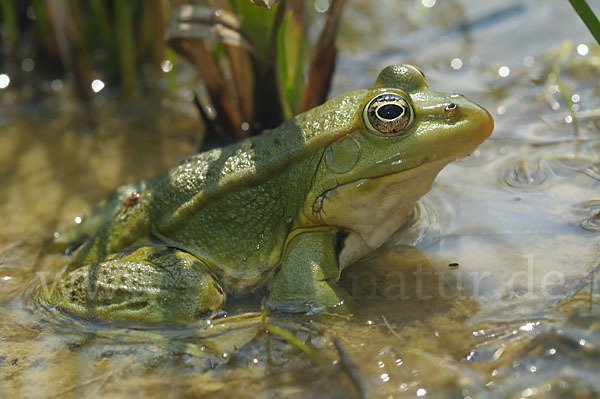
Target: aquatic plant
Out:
[257,63]
[588,17]
[254,60]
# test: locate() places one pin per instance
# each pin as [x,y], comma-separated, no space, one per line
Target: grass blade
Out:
[588,17]
[70,46]
[9,19]
[126,47]
[322,61]
[291,52]
[228,118]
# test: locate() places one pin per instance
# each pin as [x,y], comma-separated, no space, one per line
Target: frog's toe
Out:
[150,285]
[323,296]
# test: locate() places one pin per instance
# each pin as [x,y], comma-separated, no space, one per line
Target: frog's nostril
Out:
[451,110]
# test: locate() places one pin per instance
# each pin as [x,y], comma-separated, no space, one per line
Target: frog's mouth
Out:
[420,176]
[458,142]
[425,167]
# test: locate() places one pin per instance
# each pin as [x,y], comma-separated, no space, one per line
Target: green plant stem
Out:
[171,75]
[41,24]
[100,19]
[588,17]
[10,20]
[566,96]
[126,47]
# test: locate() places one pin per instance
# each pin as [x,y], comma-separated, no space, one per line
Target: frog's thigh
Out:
[148,285]
[306,277]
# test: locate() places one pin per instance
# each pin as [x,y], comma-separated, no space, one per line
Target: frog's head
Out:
[402,125]
[403,134]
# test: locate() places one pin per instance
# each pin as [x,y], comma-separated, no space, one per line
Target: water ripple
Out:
[590,210]
[527,174]
[433,213]
[593,171]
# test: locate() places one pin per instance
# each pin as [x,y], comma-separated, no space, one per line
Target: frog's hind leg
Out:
[101,213]
[149,285]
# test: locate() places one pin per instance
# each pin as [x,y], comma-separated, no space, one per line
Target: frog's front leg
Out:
[148,285]
[306,279]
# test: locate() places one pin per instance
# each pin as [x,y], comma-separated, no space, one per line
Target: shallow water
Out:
[519,316]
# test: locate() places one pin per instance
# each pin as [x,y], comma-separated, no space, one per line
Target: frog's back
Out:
[201,178]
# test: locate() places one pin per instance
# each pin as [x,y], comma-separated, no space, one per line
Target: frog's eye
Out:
[388,114]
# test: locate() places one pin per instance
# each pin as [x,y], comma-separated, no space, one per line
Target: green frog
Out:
[288,209]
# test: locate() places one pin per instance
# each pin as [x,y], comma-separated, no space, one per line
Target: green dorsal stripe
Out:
[202,178]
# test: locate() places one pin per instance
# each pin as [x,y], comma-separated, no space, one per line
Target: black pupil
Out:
[390,111]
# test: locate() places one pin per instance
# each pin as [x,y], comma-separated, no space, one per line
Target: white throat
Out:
[373,209]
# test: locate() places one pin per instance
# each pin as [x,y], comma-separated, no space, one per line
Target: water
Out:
[492,291]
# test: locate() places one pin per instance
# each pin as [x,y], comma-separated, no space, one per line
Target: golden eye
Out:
[388,114]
